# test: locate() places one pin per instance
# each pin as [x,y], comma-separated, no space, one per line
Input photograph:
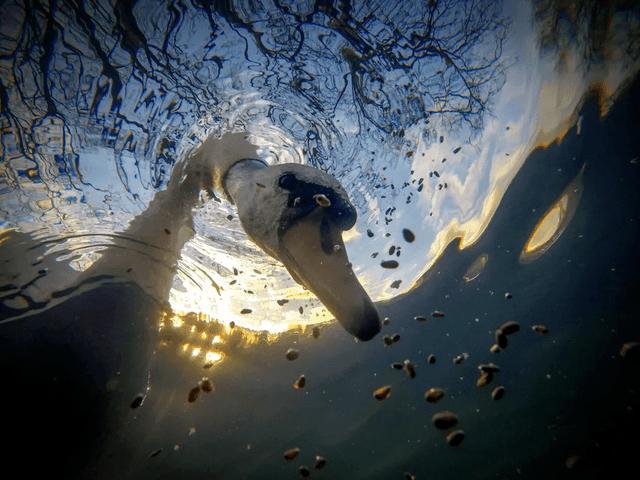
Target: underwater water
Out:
[504,137]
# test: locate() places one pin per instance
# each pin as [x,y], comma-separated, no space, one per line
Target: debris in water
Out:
[630,350]
[245,311]
[408,235]
[300,382]
[437,314]
[489,367]
[510,327]
[304,471]
[389,264]
[420,318]
[155,453]
[410,369]
[455,438]
[497,393]
[485,379]
[315,332]
[194,394]
[137,401]
[291,453]
[431,358]
[539,329]
[444,420]
[382,393]
[292,354]
[320,462]
[434,395]
[501,339]
[206,385]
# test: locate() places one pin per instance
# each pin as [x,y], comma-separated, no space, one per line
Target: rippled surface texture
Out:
[489,159]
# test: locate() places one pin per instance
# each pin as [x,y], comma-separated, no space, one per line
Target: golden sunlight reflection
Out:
[554,221]
[203,342]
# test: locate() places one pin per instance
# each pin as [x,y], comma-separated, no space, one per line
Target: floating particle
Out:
[489,367]
[369,233]
[167,231]
[420,318]
[137,401]
[408,235]
[434,395]
[444,420]
[501,339]
[207,365]
[392,250]
[382,393]
[630,350]
[485,379]
[389,264]
[194,394]
[475,269]
[155,453]
[436,173]
[410,369]
[510,327]
[245,311]
[235,271]
[396,284]
[291,453]
[574,462]
[437,314]
[233,282]
[397,365]
[508,296]
[315,332]
[455,438]
[374,255]
[441,139]
[386,321]
[301,310]
[300,382]
[539,329]
[497,393]
[206,385]
[304,471]
[232,324]
[495,348]
[457,150]
[292,354]
[395,337]
[387,340]
[457,359]
[282,302]
[409,476]
[320,462]
[431,358]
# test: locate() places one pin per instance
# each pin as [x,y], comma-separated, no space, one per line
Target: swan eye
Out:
[288,181]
